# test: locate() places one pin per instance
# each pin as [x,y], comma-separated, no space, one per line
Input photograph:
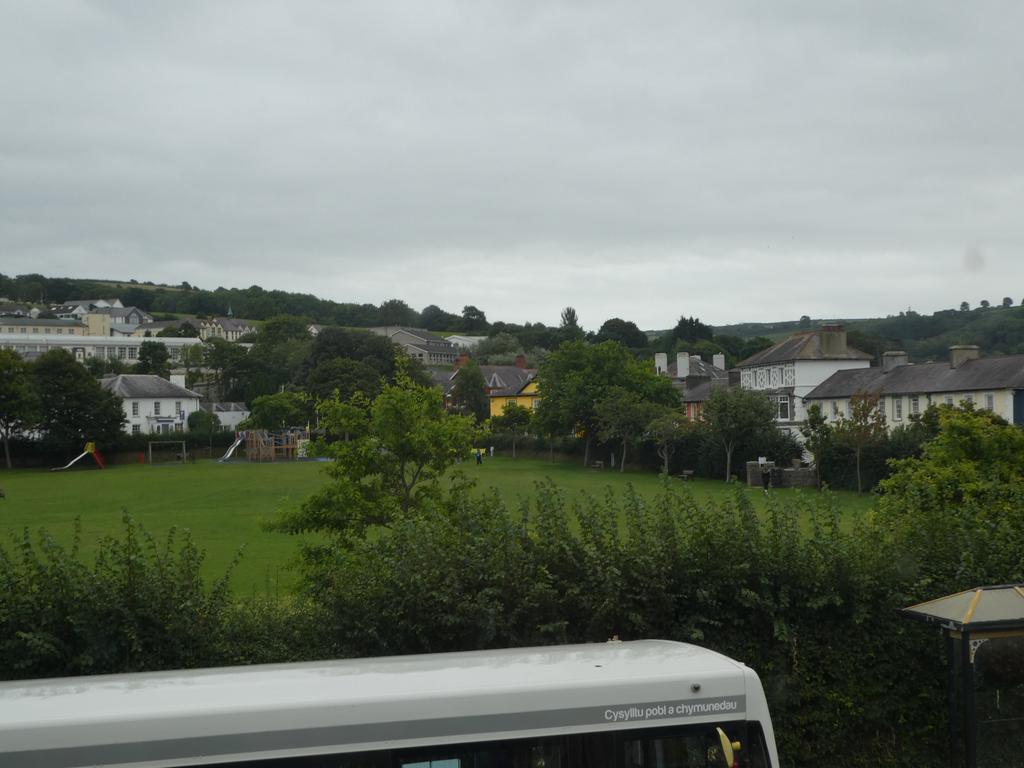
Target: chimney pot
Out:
[682,365]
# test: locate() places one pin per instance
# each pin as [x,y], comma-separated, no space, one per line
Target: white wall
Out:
[146,420]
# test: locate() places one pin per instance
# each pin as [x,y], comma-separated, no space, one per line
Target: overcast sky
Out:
[736,161]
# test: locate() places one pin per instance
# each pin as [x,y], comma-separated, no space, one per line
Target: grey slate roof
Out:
[985,373]
[801,346]
[699,369]
[506,379]
[135,385]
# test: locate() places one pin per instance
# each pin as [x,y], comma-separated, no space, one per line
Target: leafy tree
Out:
[514,420]
[805,321]
[691,329]
[397,312]
[964,306]
[864,427]
[282,329]
[985,304]
[734,416]
[433,318]
[98,366]
[409,442]
[574,379]
[666,430]
[624,332]
[1007,301]
[278,411]
[623,415]
[342,375]
[154,359]
[958,509]
[18,404]
[203,422]
[473,319]
[468,393]
[569,328]
[73,407]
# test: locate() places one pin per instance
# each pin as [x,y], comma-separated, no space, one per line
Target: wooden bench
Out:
[597,464]
[686,475]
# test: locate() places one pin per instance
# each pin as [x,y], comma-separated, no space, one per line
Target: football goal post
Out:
[168,451]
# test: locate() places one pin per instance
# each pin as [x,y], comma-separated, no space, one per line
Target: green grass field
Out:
[224,504]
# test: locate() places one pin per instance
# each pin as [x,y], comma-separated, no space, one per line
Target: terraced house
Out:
[789,370]
[905,389]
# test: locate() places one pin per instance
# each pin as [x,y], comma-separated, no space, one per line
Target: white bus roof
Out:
[238,713]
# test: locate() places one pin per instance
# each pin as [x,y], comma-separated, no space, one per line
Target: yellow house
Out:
[526,396]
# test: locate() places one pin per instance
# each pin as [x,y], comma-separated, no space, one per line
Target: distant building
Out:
[9,309]
[32,327]
[465,342]
[694,378]
[789,370]
[905,390]
[31,345]
[152,405]
[115,321]
[76,309]
[230,415]
[227,328]
[428,348]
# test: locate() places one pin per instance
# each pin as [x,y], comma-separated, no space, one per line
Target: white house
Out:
[904,389]
[789,370]
[152,405]
[31,345]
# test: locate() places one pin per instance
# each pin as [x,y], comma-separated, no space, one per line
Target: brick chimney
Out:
[682,365]
[462,359]
[894,359]
[661,363]
[961,353]
[520,360]
[833,339]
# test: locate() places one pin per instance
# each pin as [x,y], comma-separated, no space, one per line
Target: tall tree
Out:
[574,379]
[864,427]
[473,320]
[154,359]
[691,329]
[409,442]
[623,415]
[73,407]
[397,312]
[666,430]
[734,416]
[468,393]
[514,420]
[623,331]
[278,411]
[18,404]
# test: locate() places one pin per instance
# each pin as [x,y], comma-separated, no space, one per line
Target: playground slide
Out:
[70,463]
[231,450]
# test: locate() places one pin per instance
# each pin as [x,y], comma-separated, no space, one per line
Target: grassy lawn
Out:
[224,504]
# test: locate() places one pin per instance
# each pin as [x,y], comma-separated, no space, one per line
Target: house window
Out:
[990,401]
[121,352]
[135,408]
[949,400]
[835,410]
[915,406]
[136,429]
[177,427]
[897,409]
[849,409]
[782,407]
[156,408]
[132,352]
[881,406]
[177,406]
[969,399]
[535,404]
[510,401]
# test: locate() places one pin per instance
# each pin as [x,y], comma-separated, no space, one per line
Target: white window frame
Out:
[897,409]
[990,401]
[915,405]
[156,408]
